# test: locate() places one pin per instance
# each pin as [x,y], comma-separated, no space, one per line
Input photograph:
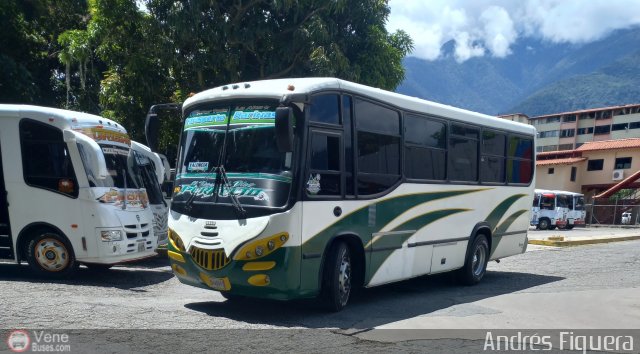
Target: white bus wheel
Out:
[338,277]
[543,224]
[48,254]
[475,266]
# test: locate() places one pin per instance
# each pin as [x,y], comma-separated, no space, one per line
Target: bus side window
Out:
[325,177]
[45,158]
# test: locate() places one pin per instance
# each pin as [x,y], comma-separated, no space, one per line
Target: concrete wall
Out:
[560,179]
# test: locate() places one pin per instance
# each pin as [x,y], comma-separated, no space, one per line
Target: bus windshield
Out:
[123,170]
[240,138]
[149,179]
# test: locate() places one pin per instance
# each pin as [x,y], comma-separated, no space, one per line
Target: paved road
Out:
[595,286]
[584,232]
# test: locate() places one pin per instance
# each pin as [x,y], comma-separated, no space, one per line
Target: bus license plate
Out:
[141,247]
[217,283]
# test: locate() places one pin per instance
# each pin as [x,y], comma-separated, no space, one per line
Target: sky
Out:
[491,27]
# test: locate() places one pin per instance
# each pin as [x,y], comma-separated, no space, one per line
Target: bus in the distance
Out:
[153,173]
[71,191]
[555,208]
[300,188]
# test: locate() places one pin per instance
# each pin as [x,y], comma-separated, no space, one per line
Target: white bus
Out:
[152,174]
[297,188]
[71,191]
[554,208]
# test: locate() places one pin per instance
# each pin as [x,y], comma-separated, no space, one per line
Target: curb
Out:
[582,242]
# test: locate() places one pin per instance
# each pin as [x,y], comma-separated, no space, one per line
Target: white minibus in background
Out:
[561,209]
[70,191]
[153,173]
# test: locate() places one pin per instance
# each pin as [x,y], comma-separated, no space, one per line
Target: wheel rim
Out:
[344,278]
[479,256]
[51,255]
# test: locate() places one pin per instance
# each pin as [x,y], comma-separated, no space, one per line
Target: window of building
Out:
[634,125]
[548,134]
[378,137]
[582,131]
[551,170]
[425,148]
[574,172]
[619,126]
[569,118]
[595,165]
[623,163]
[45,158]
[565,147]
[553,119]
[325,109]
[602,129]
[565,133]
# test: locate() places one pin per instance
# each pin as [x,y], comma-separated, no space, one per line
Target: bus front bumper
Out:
[276,276]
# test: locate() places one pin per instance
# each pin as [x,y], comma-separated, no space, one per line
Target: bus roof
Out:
[64,119]
[100,129]
[277,88]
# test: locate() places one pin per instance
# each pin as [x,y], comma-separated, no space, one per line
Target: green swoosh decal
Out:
[503,228]
[396,241]
[496,214]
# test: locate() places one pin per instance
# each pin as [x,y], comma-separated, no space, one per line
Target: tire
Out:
[569,227]
[553,227]
[337,282]
[50,255]
[97,267]
[543,224]
[475,266]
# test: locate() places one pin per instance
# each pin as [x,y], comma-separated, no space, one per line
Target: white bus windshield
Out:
[123,170]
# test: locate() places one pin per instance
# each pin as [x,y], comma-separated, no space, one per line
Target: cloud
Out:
[491,27]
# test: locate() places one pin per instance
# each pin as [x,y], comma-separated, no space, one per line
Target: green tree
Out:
[29,68]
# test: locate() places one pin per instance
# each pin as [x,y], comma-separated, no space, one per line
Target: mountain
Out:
[537,78]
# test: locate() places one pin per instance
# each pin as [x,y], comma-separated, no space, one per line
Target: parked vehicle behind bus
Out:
[152,174]
[298,188]
[71,191]
[576,212]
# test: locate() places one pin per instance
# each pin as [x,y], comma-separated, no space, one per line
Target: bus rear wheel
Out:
[336,288]
[475,266]
[50,255]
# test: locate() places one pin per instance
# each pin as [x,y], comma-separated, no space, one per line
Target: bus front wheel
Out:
[49,254]
[337,283]
[543,224]
[475,266]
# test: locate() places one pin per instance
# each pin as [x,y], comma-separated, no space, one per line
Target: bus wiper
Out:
[234,198]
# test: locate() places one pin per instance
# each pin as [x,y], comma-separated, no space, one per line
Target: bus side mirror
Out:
[151,129]
[284,129]
[95,159]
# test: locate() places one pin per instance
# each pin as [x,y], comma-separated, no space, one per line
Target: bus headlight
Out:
[176,241]
[262,247]
[111,235]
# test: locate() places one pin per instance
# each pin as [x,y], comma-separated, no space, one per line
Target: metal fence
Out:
[606,211]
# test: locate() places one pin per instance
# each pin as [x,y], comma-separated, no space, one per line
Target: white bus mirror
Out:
[146,151]
[96,160]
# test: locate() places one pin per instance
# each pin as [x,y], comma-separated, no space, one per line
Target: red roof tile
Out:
[566,161]
[610,144]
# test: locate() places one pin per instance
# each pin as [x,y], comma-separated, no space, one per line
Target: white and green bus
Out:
[299,188]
